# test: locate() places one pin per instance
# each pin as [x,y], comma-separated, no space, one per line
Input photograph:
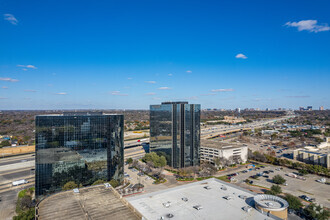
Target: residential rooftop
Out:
[214,198]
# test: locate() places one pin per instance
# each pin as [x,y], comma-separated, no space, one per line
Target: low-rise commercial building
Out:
[232,153]
[209,199]
[318,155]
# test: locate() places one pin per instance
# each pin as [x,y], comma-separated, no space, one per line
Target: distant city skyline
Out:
[129,55]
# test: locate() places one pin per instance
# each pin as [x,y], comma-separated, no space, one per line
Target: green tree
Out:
[158,161]
[129,160]
[24,205]
[294,202]
[97,182]
[317,212]
[303,172]
[114,183]
[27,215]
[70,185]
[5,143]
[278,179]
[274,190]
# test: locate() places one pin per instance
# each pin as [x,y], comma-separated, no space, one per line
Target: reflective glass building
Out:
[79,147]
[175,132]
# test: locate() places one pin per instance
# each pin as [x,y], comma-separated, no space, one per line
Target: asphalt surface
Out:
[12,169]
[16,161]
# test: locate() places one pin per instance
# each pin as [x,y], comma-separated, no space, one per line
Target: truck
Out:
[19,182]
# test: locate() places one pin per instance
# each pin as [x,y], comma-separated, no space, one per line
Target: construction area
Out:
[95,202]
[9,151]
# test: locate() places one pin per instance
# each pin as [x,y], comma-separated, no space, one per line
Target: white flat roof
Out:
[214,206]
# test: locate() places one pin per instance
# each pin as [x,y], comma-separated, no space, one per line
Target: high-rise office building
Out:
[309,108]
[321,108]
[175,132]
[79,147]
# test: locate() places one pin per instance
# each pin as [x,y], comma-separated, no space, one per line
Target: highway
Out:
[227,129]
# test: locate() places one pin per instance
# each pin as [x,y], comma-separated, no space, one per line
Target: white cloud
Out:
[170,74]
[61,93]
[208,94]
[156,98]
[164,88]
[8,79]
[151,93]
[129,78]
[118,93]
[151,82]
[30,90]
[241,56]
[222,90]
[4,87]
[27,66]
[10,18]
[189,71]
[308,25]
[3,98]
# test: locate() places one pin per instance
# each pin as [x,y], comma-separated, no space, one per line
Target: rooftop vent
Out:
[185,199]
[197,207]
[170,215]
[223,188]
[167,204]
[247,208]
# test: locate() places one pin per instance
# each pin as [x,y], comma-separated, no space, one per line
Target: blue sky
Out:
[130,54]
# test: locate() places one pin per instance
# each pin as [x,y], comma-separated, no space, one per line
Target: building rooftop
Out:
[208,199]
[96,202]
[179,102]
[219,145]
[271,202]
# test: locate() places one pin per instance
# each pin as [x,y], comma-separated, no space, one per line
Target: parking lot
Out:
[148,182]
[296,187]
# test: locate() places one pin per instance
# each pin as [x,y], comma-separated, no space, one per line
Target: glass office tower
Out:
[79,147]
[175,132]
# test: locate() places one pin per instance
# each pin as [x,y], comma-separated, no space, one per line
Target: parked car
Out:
[305,198]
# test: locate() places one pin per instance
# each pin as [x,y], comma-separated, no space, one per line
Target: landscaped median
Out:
[191,179]
[25,205]
[224,178]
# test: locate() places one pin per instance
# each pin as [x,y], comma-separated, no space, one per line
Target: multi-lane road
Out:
[11,169]
[216,130]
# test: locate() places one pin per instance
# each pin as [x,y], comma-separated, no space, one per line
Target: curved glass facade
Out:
[78,147]
[175,132]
